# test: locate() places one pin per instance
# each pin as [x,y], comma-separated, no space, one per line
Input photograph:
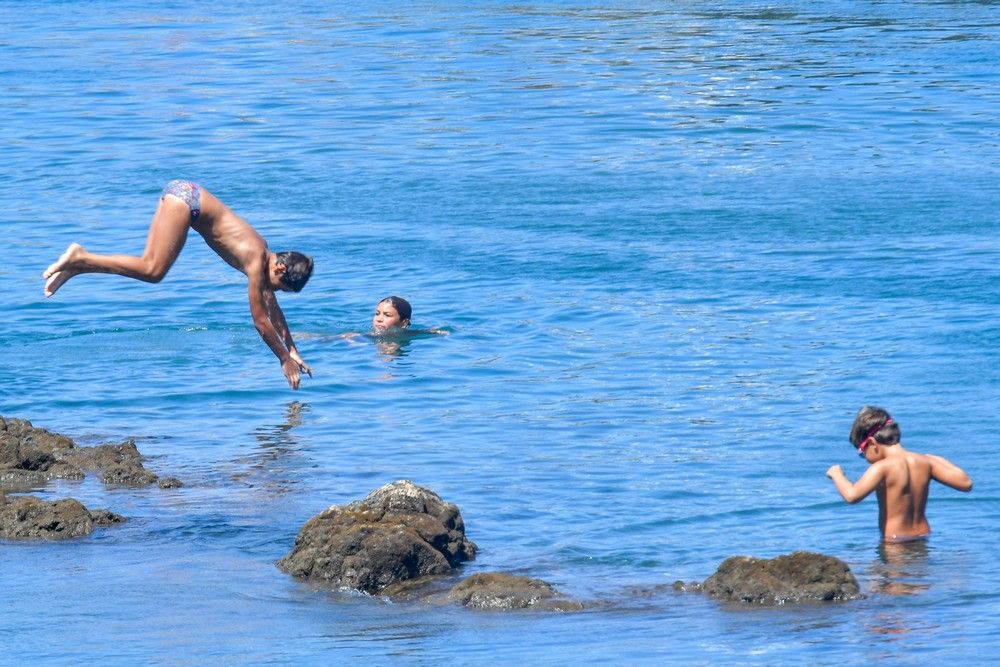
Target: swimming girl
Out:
[391,313]
[392,318]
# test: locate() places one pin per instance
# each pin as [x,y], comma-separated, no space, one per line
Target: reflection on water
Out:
[394,343]
[391,347]
[901,568]
[888,624]
[279,436]
[278,439]
[277,445]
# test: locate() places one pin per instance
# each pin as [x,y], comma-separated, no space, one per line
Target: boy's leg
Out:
[167,234]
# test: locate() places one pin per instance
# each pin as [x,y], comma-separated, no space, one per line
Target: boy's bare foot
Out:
[57,273]
[63,260]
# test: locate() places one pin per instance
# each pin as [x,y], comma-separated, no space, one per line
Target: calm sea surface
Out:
[677,246]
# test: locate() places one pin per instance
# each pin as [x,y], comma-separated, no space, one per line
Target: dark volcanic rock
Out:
[27,517]
[501,591]
[31,456]
[106,518]
[127,474]
[399,532]
[796,577]
[119,464]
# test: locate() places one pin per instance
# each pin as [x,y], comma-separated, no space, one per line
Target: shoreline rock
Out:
[31,456]
[399,532]
[499,591]
[402,542]
[28,517]
[798,577]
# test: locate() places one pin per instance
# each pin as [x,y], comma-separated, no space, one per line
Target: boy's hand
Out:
[834,471]
[290,368]
[303,366]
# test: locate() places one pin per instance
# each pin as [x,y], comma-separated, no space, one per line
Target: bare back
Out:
[902,496]
[900,480]
[229,235]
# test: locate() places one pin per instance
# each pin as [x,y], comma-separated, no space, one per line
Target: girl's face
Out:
[386,317]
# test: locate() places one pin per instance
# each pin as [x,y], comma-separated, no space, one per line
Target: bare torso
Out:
[902,496]
[900,480]
[229,235]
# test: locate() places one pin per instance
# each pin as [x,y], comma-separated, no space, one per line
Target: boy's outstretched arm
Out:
[281,327]
[857,492]
[256,287]
[949,474]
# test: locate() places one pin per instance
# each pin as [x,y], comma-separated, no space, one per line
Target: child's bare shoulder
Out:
[888,469]
[923,459]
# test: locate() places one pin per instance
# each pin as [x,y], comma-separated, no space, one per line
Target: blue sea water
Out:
[676,246]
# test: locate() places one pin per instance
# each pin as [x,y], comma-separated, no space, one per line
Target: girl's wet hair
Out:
[401,305]
[298,268]
[875,422]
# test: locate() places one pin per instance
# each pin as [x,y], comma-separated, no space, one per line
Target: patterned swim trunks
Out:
[188,192]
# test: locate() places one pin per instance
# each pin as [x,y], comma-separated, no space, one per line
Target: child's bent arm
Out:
[854,493]
[949,474]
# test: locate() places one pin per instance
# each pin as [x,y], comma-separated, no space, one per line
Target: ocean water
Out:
[676,247]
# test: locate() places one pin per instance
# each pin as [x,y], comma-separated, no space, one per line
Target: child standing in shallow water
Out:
[900,478]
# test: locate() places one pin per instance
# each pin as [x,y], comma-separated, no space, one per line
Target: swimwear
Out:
[188,192]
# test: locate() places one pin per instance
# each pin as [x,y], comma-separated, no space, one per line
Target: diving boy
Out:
[185,205]
[900,478]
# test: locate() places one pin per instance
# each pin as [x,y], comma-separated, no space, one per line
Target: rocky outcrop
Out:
[797,577]
[28,517]
[31,456]
[119,465]
[169,483]
[399,532]
[499,591]
[400,542]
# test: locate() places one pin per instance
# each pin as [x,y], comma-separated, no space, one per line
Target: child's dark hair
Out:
[401,305]
[298,268]
[874,422]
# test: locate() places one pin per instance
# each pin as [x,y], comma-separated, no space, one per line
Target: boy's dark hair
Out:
[298,268]
[874,422]
[401,305]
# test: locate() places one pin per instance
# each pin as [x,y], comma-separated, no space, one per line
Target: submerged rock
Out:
[501,591]
[31,456]
[28,517]
[399,532]
[105,518]
[797,577]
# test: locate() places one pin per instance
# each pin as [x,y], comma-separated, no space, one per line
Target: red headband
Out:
[875,429]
